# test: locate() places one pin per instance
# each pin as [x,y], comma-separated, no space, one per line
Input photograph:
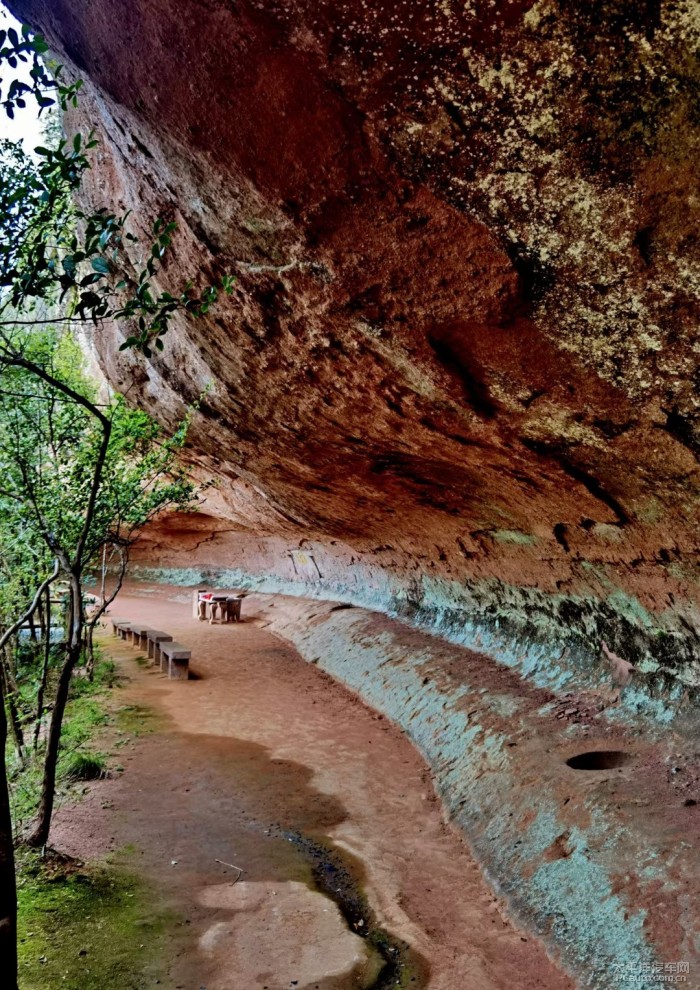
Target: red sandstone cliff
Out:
[462,354]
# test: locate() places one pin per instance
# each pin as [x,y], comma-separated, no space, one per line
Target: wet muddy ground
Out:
[263,764]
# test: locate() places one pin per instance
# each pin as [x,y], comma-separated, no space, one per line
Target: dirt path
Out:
[266,763]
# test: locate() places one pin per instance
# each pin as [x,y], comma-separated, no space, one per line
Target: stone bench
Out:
[122,629]
[154,637]
[175,660]
[115,625]
[139,635]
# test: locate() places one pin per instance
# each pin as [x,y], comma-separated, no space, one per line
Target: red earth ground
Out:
[261,743]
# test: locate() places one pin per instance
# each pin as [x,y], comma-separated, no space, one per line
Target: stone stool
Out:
[203,599]
[175,660]
[233,608]
[218,606]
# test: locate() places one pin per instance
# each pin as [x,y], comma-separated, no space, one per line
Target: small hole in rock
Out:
[599,759]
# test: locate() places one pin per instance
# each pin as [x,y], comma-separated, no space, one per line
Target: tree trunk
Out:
[8,888]
[9,689]
[40,835]
[90,664]
[103,589]
[44,670]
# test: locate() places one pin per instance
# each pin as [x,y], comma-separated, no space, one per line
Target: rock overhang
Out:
[463,327]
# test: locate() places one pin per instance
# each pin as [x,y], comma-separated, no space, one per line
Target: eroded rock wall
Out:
[462,356]
[588,860]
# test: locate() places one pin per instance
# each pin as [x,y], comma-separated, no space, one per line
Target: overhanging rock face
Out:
[462,353]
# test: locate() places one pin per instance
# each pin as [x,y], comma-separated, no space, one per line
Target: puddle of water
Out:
[225,800]
[298,844]
[398,964]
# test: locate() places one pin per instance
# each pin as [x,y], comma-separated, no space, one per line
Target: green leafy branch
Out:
[54,252]
[61,264]
[46,88]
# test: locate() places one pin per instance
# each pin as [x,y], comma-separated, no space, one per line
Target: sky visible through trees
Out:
[26,127]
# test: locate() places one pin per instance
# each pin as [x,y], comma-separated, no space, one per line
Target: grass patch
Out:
[84,766]
[136,720]
[85,716]
[88,929]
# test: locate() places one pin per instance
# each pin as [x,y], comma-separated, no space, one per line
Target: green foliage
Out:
[44,88]
[49,449]
[49,248]
[52,252]
[78,479]
[84,766]
[86,714]
[77,263]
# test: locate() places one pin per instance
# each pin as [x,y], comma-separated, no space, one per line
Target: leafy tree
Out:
[79,476]
[53,253]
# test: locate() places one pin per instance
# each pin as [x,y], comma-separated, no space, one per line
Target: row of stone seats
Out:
[172,658]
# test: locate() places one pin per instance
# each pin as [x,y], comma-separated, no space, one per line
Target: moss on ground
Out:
[137,720]
[88,928]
